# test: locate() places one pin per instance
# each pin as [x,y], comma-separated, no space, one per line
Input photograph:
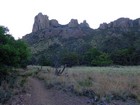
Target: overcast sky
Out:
[18,15]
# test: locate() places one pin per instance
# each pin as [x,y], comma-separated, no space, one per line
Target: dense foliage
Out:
[13,53]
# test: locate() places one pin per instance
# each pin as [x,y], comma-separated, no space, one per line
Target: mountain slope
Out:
[49,38]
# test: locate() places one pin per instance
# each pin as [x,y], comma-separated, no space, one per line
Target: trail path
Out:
[41,96]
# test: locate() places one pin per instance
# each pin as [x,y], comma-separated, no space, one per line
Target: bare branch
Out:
[58,72]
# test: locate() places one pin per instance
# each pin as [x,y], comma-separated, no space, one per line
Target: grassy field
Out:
[119,81]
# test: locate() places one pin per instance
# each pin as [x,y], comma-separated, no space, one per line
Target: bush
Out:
[102,60]
[126,56]
[70,59]
[95,57]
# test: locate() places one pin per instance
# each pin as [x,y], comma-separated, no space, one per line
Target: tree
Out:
[44,61]
[125,57]
[102,60]
[23,52]
[112,44]
[70,59]
[95,57]
[91,55]
[13,53]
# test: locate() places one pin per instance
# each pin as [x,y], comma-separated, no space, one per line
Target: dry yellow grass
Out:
[103,81]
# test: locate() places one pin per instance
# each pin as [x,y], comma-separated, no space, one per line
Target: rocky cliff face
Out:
[73,23]
[122,23]
[40,22]
[44,28]
[84,24]
[54,23]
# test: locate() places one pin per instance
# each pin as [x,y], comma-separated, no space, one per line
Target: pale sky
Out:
[18,15]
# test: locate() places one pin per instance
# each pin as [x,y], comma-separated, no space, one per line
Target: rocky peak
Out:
[73,23]
[119,23]
[40,22]
[84,24]
[122,22]
[54,23]
[103,26]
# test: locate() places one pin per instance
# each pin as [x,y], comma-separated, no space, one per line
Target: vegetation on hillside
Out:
[101,48]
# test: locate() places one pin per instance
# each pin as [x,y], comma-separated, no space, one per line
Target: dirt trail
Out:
[39,95]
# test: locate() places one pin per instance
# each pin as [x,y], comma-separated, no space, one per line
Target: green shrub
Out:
[102,60]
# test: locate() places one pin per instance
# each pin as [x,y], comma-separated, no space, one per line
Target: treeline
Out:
[92,57]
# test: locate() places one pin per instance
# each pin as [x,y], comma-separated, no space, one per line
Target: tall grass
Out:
[122,81]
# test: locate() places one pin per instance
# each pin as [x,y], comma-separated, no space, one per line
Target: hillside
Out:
[51,42]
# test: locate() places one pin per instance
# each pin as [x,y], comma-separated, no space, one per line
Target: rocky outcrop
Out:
[40,22]
[44,28]
[122,23]
[73,23]
[103,26]
[54,23]
[84,24]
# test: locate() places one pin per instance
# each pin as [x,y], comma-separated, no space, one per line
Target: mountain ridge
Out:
[48,37]
[42,22]
[121,23]
[43,27]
